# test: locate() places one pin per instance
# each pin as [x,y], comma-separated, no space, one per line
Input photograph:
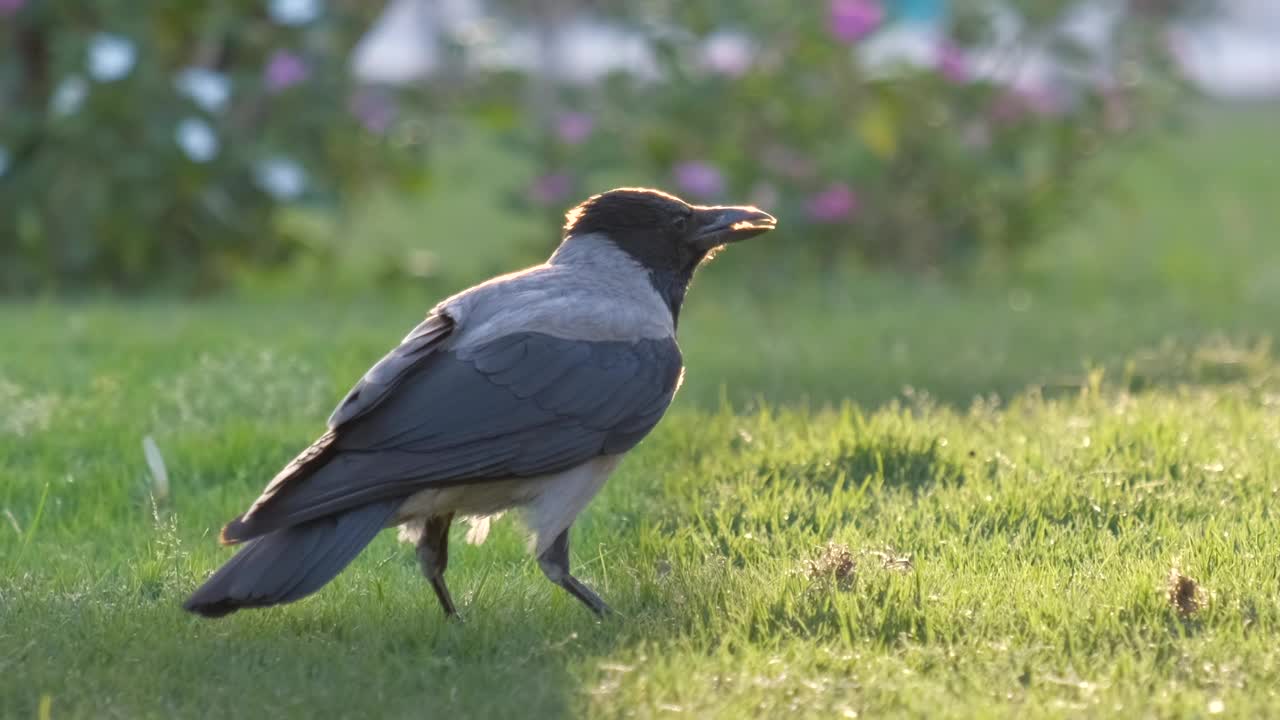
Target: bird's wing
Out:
[390,370]
[521,405]
[371,390]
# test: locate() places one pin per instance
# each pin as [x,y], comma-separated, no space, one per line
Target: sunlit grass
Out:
[1054,495]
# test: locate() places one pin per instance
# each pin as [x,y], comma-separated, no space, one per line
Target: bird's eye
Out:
[680,223]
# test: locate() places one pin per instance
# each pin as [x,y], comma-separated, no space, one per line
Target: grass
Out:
[1051,495]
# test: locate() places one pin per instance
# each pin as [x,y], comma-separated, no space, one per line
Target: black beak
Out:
[726,224]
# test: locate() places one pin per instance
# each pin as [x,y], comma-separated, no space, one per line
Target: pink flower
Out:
[851,20]
[284,70]
[11,7]
[953,64]
[835,204]
[1014,105]
[550,189]
[727,53]
[699,179]
[375,109]
[1177,44]
[574,127]
[1043,100]
[1008,109]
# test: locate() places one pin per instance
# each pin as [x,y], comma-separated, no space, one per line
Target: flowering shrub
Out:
[974,137]
[149,143]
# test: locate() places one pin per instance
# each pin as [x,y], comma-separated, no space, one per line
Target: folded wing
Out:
[521,405]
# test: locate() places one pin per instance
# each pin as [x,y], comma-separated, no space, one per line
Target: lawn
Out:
[1052,493]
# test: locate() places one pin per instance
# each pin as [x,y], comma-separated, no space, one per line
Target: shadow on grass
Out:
[1204,360]
[326,657]
[872,465]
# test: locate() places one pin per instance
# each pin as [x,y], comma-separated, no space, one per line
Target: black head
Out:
[664,233]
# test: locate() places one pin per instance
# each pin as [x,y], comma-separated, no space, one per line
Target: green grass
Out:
[1046,449]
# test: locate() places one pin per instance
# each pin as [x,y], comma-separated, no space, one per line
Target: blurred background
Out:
[974,195]
[1027,253]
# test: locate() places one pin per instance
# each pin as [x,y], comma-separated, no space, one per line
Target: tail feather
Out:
[291,563]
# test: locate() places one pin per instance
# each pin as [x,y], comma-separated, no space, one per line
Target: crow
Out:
[521,393]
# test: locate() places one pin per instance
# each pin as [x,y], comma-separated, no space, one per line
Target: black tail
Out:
[291,563]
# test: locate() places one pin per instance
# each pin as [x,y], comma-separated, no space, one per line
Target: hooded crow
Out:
[521,393]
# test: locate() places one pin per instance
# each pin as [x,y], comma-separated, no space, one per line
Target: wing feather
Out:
[522,405]
[384,376]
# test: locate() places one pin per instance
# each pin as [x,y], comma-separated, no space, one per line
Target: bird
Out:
[522,393]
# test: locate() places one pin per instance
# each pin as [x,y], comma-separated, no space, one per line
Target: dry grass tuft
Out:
[834,562]
[1184,593]
[890,560]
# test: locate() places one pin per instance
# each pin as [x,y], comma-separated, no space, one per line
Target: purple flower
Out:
[375,109]
[284,70]
[699,179]
[550,189]
[851,20]
[574,127]
[953,64]
[834,204]
[11,7]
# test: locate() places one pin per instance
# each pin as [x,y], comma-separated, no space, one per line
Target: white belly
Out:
[549,502]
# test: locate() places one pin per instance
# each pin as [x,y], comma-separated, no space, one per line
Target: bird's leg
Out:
[433,557]
[555,565]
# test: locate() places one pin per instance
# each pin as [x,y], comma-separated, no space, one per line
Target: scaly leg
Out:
[555,565]
[433,557]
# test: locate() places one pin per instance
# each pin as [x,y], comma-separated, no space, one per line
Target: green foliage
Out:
[149,144]
[968,150]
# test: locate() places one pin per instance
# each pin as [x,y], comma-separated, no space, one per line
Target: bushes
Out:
[978,143]
[152,143]
[149,143]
